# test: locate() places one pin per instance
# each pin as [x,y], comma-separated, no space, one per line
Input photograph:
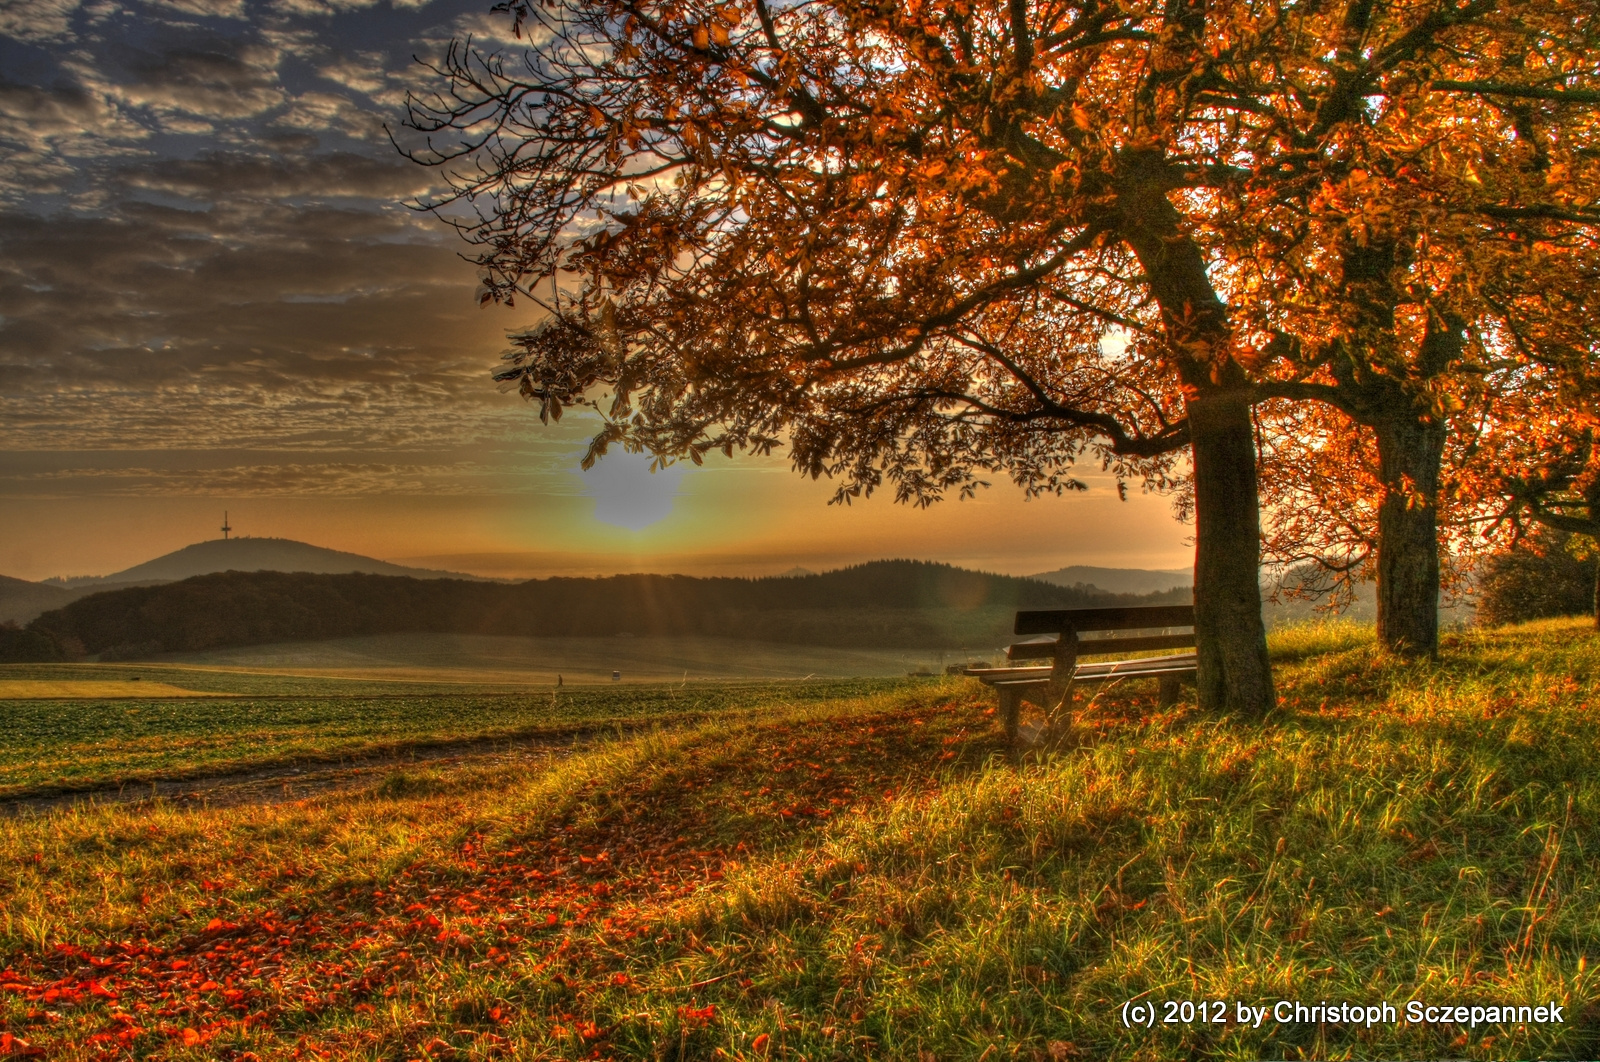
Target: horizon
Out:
[792,571]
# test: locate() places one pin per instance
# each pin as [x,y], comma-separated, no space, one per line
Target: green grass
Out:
[872,877]
[509,659]
[55,745]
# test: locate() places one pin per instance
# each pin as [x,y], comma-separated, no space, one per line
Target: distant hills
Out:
[253,555]
[1119,580]
[21,601]
[884,604]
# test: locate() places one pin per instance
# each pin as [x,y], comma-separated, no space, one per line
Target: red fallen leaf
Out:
[98,989]
[213,926]
[16,1046]
[190,1037]
[759,1044]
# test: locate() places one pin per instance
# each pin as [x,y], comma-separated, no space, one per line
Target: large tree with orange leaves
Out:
[1445,282]
[918,241]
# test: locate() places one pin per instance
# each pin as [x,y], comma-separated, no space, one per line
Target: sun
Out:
[627,494]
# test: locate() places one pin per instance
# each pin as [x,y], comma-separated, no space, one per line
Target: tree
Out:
[1447,425]
[1450,259]
[903,238]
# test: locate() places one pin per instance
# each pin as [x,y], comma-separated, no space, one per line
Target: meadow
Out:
[866,874]
[238,722]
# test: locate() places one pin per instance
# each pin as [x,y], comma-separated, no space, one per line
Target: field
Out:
[239,725]
[753,872]
[477,658]
[81,689]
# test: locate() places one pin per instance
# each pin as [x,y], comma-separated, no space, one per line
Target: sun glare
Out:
[627,494]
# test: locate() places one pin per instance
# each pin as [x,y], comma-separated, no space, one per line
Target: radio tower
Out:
[225,527]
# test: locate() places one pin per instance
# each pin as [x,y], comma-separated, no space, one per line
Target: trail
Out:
[306,778]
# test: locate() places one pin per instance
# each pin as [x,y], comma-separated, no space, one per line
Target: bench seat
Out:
[1059,638]
[1141,667]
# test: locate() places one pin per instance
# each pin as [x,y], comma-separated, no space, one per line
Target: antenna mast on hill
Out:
[225,527]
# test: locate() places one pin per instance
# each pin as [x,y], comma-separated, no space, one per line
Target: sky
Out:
[215,296]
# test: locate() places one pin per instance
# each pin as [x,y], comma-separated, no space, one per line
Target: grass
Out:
[75,745]
[77,689]
[511,659]
[869,876]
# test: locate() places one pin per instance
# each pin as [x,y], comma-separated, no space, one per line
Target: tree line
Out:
[884,604]
[1326,271]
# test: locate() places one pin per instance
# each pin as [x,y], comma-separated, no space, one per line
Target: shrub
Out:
[1546,575]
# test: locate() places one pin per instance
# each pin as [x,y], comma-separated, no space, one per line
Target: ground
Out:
[856,872]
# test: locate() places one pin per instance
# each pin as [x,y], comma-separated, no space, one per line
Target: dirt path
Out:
[301,780]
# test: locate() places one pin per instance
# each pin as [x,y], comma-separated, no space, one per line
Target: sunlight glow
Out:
[627,494]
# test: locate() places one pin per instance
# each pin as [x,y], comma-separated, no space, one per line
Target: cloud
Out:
[220,176]
[215,79]
[203,244]
[36,20]
[246,324]
[47,133]
[230,9]
[291,479]
[326,112]
[362,72]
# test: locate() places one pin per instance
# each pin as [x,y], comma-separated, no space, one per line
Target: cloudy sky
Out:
[213,296]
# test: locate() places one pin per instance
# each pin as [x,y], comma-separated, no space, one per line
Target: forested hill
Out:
[885,604]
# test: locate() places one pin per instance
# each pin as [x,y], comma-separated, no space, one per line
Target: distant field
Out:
[33,689]
[491,658]
[93,742]
[278,714]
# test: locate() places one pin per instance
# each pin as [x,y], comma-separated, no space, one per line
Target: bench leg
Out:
[1010,709]
[1057,712]
[1170,686]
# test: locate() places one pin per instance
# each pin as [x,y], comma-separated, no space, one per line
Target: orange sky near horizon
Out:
[733,518]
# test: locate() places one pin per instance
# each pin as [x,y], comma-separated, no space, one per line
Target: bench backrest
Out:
[1058,622]
[1089,620]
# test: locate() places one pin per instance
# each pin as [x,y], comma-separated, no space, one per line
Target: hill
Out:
[252,555]
[1119,580]
[885,604]
[21,601]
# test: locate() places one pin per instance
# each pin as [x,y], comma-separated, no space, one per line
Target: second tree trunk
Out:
[1409,455]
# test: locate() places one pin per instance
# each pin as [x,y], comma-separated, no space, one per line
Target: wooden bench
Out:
[1065,636]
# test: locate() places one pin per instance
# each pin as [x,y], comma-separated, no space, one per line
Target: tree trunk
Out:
[1234,674]
[1410,450]
[1231,641]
